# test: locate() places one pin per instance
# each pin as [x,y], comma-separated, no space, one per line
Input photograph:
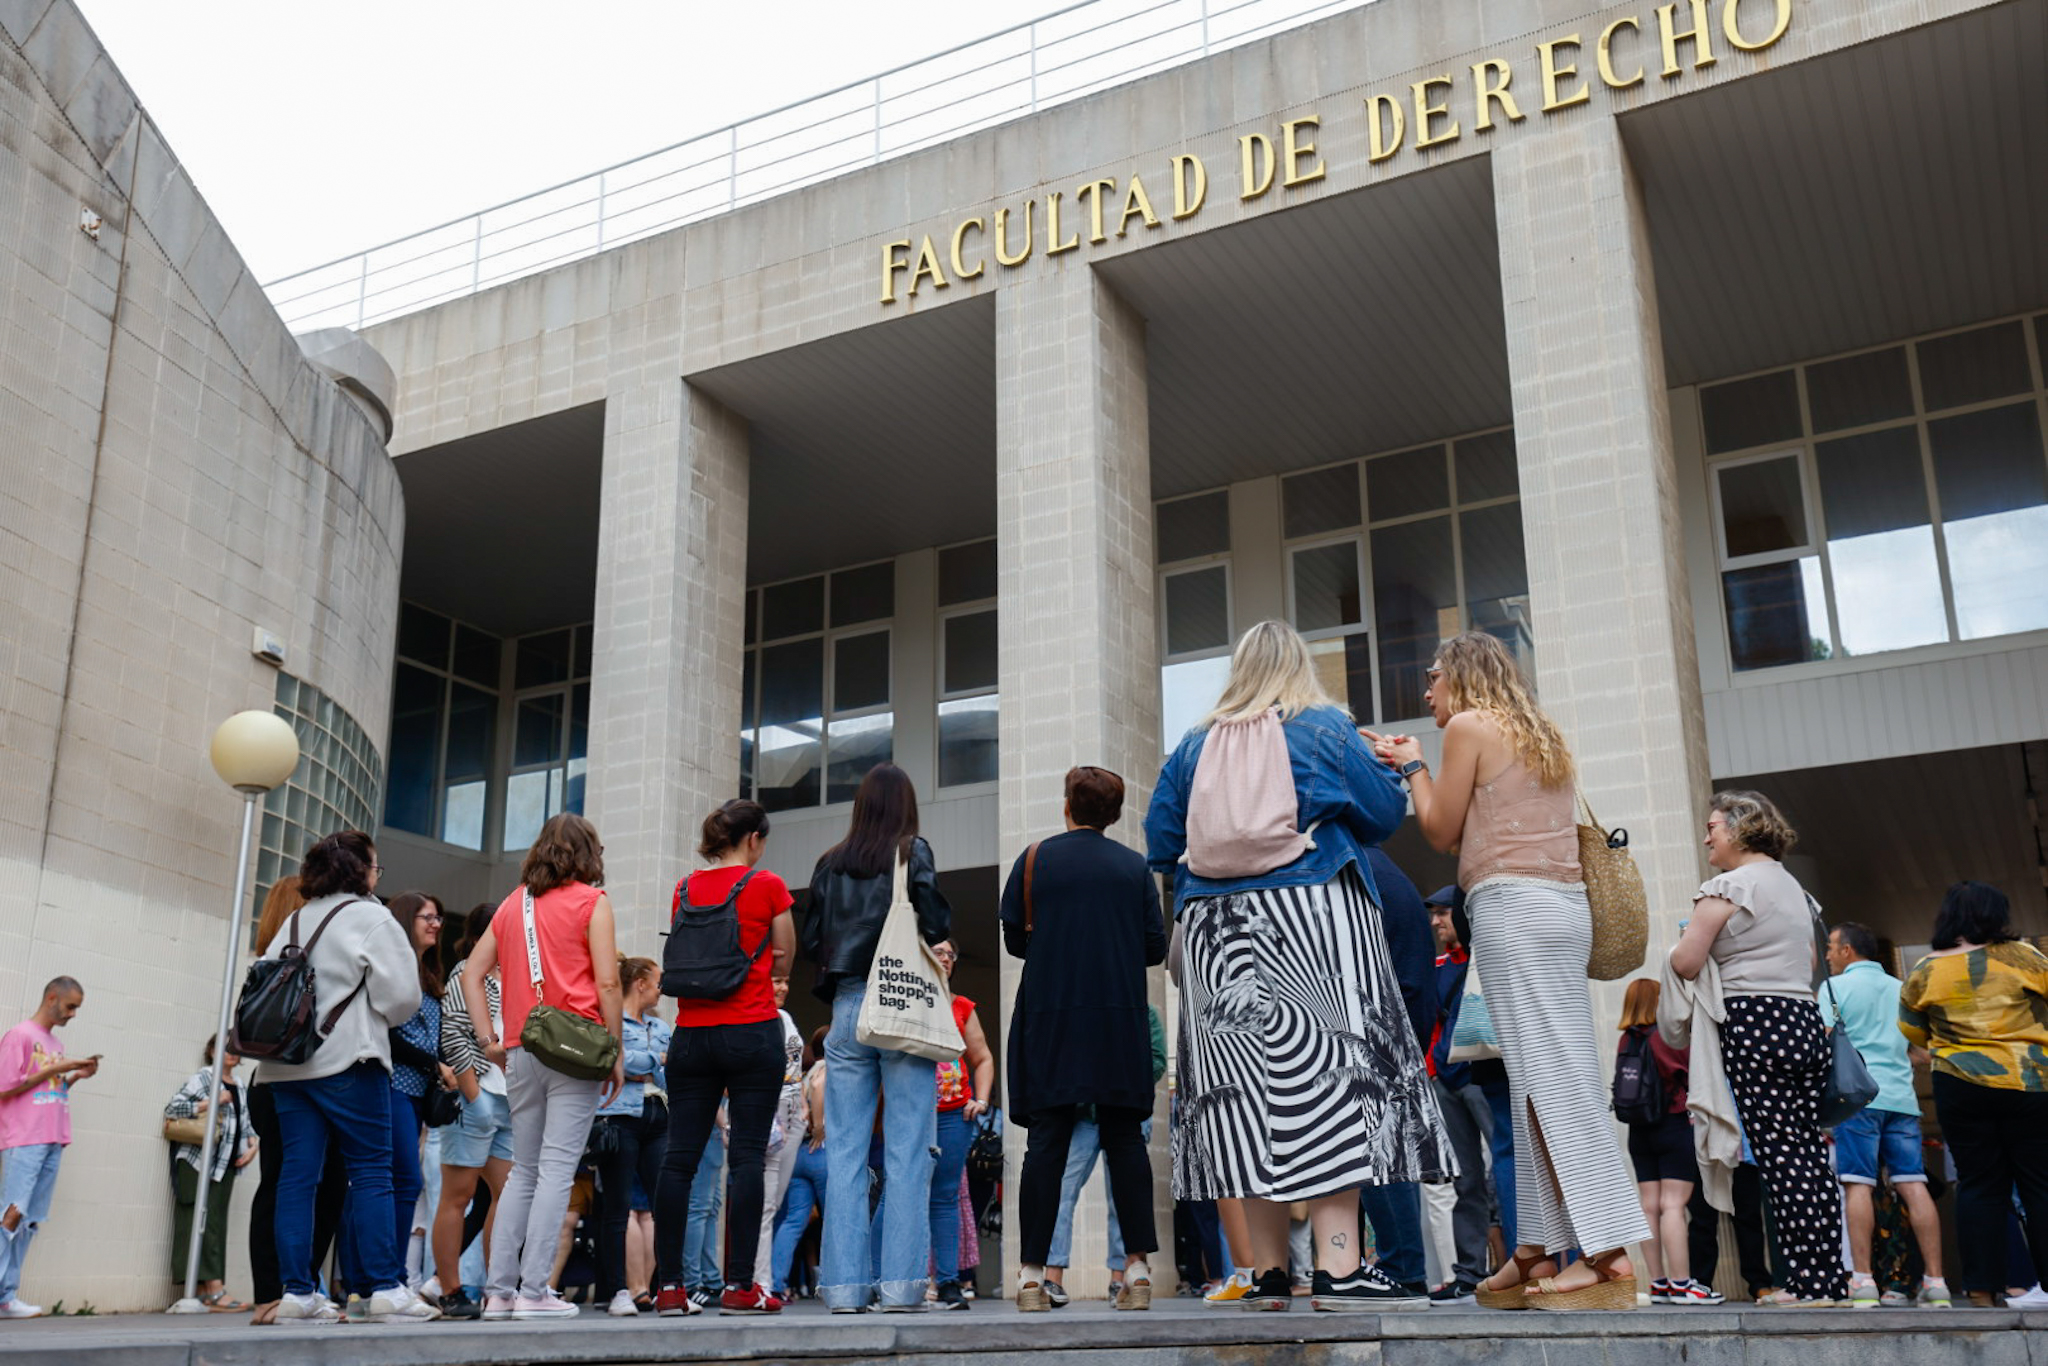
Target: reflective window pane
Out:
[476,657]
[1320,500]
[967,573]
[1763,507]
[1405,484]
[580,663]
[967,740]
[416,703]
[1497,577]
[1187,691]
[1190,528]
[860,671]
[1994,513]
[1751,412]
[854,747]
[747,670]
[1326,592]
[792,724]
[472,729]
[537,737]
[528,804]
[1857,391]
[579,721]
[1973,367]
[753,611]
[423,635]
[1880,545]
[864,594]
[970,652]
[542,659]
[1344,664]
[1486,467]
[1197,611]
[1777,614]
[793,609]
[1415,607]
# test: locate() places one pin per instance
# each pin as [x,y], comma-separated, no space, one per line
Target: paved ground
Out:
[1174,1331]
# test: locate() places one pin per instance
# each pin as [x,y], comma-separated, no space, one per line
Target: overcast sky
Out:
[315,130]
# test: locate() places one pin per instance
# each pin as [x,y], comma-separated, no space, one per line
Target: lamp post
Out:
[253,751]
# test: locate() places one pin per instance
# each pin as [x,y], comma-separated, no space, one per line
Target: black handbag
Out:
[1850,1086]
[443,1107]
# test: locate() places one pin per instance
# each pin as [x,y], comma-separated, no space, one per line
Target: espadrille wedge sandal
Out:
[1611,1291]
[1514,1296]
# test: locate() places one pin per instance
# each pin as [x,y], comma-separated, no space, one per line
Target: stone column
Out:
[1078,643]
[665,686]
[1615,654]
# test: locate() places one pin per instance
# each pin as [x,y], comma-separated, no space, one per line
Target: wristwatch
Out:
[1410,769]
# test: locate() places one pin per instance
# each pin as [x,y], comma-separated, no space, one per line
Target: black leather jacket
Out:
[846,914]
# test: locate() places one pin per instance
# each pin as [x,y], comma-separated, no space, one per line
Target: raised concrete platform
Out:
[1084,1335]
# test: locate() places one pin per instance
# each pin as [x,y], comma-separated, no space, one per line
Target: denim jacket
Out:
[1351,798]
[644,1045]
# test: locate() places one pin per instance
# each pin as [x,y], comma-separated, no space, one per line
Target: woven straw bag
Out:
[1614,890]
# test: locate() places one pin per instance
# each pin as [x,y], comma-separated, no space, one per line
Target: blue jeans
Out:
[1395,1213]
[1495,1089]
[701,1262]
[857,1076]
[954,1134]
[354,1109]
[28,1182]
[1082,1150]
[807,1187]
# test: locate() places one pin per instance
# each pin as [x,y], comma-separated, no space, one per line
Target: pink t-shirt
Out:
[561,921]
[40,1115]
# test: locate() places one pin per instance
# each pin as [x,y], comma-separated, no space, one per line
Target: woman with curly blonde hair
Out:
[1504,802]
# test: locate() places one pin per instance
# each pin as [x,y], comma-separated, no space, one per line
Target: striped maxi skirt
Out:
[1300,1074]
[1530,940]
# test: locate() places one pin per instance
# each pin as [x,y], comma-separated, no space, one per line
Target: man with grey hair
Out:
[35,1127]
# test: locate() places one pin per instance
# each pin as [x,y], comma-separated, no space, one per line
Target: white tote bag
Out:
[908,1006]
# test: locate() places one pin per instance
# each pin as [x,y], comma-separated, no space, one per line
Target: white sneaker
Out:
[315,1308]
[430,1289]
[2037,1298]
[552,1307]
[401,1305]
[20,1309]
[622,1306]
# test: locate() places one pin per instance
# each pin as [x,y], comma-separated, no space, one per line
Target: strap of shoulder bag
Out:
[333,1017]
[1030,864]
[533,967]
[684,903]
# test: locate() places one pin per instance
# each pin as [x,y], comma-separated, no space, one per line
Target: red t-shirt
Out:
[956,1083]
[760,902]
[561,921]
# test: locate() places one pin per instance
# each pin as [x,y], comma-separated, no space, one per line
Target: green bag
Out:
[572,1044]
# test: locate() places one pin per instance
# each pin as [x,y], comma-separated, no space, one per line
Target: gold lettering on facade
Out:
[1190,185]
[1255,151]
[1553,74]
[1295,147]
[1700,35]
[1004,257]
[1094,190]
[891,263]
[1605,53]
[1138,202]
[960,270]
[927,264]
[1425,111]
[1782,22]
[1053,245]
[1490,80]
[1382,143]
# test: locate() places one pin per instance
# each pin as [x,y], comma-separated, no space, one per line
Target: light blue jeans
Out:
[856,1077]
[703,1252]
[1081,1154]
[807,1186]
[28,1181]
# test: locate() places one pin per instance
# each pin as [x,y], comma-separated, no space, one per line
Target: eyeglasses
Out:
[945,955]
[433,917]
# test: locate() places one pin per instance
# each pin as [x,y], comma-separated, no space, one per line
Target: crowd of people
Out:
[1383,1100]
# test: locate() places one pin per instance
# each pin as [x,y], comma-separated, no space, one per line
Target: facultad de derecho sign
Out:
[1432,112]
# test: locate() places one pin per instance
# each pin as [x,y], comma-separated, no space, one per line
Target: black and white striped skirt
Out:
[1299,1072]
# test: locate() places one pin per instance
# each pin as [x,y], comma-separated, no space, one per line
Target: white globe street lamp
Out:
[253,751]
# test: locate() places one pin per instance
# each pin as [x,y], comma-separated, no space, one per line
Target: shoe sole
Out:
[1134,1297]
[745,1313]
[533,1315]
[1617,1294]
[1253,1304]
[1511,1298]
[1344,1304]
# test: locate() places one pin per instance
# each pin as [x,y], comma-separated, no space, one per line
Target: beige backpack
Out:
[1242,813]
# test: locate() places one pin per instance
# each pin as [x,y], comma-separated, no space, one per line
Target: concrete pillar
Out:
[1600,509]
[1078,643]
[671,590]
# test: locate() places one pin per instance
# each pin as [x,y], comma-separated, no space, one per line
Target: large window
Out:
[444,713]
[968,677]
[334,788]
[816,711]
[1884,500]
[550,731]
[1195,627]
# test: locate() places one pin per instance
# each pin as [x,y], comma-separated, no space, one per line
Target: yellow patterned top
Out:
[1983,1014]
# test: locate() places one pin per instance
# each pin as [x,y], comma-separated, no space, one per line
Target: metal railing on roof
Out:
[1050,60]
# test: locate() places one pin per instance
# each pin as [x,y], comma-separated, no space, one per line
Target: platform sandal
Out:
[1611,1291]
[1514,1296]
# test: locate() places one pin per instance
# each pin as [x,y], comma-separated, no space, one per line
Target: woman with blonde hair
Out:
[1659,1145]
[1300,1075]
[1504,802]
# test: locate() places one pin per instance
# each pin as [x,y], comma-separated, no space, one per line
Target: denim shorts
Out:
[1869,1137]
[484,1131]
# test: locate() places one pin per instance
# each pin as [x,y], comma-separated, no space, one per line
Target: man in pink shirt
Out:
[35,1128]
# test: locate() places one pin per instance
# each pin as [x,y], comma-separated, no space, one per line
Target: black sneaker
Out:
[1056,1294]
[1365,1291]
[458,1305]
[704,1297]
[1453,1293]
[950,1296]
[1271,1292]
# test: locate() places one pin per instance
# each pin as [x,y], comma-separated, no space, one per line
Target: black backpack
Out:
[1638,1085]
[274,1015]
[703,960]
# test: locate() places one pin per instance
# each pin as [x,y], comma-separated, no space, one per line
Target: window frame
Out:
[941,694]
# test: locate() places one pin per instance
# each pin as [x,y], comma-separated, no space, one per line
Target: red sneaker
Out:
[748,1300]
[674,1302]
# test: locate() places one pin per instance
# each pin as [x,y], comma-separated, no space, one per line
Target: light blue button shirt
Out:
[1869,998]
